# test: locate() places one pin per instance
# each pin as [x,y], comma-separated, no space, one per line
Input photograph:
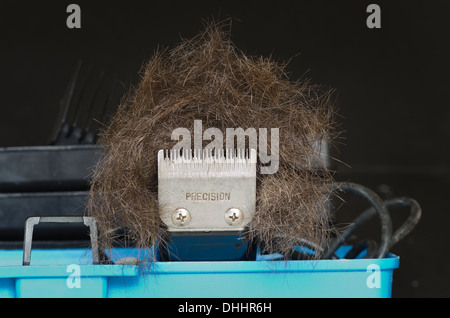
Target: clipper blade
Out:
[202,190]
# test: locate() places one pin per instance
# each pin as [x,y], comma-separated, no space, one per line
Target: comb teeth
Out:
[206,163]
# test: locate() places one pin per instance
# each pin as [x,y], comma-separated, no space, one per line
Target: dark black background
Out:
[391,87]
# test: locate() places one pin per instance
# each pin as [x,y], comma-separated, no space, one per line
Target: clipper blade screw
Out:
[181,217]
[234,216]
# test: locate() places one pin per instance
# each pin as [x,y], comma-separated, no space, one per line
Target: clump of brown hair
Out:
[207,78]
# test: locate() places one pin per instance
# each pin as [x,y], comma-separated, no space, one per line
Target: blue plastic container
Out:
[70,273]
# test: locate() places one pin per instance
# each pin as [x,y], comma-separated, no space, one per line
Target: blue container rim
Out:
[389,263]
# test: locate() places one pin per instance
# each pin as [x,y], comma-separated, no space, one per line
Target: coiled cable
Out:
[387,238]
[378,207]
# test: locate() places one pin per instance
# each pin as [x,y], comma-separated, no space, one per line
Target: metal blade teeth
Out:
[206,161]
[186,155]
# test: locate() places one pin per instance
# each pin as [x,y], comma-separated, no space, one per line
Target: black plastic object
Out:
[47,168]
[15,208]
[88,99]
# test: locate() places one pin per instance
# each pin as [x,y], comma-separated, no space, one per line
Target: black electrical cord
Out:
[314,248]
[411,221]
[358,248]
[405,229]
[378,206]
